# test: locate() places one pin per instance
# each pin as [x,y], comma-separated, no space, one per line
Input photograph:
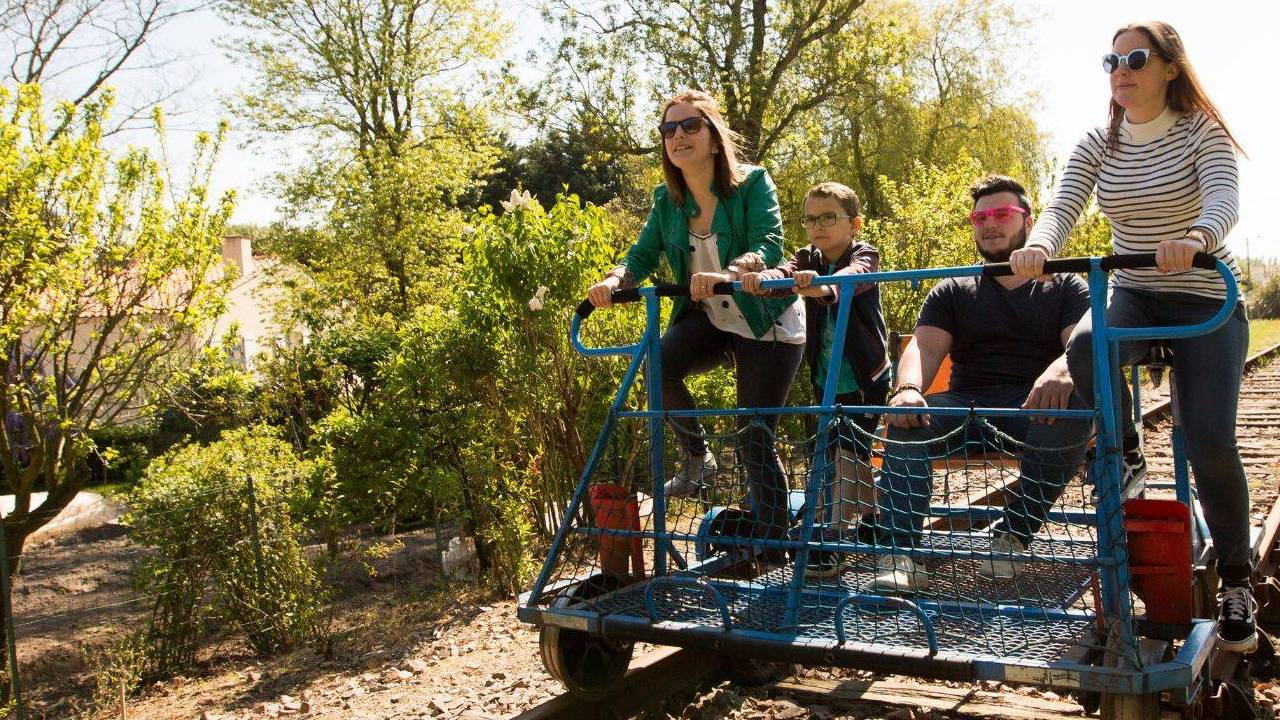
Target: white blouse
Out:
[723,311]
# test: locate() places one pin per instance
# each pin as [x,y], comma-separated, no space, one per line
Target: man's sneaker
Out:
[1236,629]
[822,564]
[694,477]
[1134,468]
[899,574]
[1002,565]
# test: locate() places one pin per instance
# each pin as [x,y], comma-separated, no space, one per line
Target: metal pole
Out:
[657,441]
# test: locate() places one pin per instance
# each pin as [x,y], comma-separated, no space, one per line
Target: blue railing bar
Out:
[650,605]
[896,603]
[624,388]
[842,546]
[860,409]
[1174,332]
[937,607]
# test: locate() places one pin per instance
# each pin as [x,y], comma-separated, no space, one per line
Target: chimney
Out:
[237,250]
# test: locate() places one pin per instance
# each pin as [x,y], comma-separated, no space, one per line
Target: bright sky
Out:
[1229,41]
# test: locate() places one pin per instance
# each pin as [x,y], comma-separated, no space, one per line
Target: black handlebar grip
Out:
[1204,261]
[1062,265]
[1130,261]
[628,295]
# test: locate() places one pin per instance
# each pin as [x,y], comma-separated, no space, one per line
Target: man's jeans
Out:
[1051,456]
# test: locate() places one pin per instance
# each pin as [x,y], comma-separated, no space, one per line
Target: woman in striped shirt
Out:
[1164,170]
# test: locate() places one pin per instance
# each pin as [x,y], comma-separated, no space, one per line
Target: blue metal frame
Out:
[1111,559]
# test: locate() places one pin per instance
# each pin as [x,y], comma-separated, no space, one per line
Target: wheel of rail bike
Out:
[1130,707]
[1090,701]
[1114,706]
[588,666]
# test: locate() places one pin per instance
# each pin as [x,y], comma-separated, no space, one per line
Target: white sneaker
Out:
[1001,565]
[899,574]
[694,477]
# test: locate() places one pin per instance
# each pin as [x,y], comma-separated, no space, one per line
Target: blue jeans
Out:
[1209,370]
[1051,457]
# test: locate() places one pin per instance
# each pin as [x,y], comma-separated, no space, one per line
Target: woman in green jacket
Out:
[714,219]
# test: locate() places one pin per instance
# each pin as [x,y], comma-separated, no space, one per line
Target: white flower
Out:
[518,200]
[542,291]
[535,303]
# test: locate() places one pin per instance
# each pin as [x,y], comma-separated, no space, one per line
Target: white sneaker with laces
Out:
[1237,629]
[899,574]
[1001,565]
[693,477]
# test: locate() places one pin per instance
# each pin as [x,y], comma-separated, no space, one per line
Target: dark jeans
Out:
[764,370]
[1209,370]
[840,435]
[1051,456]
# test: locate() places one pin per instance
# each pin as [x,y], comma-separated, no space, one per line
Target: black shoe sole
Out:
[1243,647]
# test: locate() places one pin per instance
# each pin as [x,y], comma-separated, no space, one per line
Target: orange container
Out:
[617,509]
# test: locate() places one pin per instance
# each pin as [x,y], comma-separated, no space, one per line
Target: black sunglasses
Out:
[690,125]
[1136,60]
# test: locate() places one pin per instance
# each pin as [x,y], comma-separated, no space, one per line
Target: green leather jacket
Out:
[748,227]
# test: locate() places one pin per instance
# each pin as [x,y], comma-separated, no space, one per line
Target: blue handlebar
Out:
[1106,264]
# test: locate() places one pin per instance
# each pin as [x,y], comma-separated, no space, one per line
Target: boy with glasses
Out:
[832,220]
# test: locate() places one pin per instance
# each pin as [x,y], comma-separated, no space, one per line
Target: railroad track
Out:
[664,672]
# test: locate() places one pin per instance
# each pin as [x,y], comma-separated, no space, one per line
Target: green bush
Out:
[126,450]
[1265,301]
[206,399]
[222,518]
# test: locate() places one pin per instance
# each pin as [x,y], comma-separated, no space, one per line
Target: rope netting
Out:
[958,537]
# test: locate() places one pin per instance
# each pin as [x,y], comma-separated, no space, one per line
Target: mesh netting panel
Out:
[992,542]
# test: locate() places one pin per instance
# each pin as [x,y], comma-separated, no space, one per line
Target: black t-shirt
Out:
[999,336]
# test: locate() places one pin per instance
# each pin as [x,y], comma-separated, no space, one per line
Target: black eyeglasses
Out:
[1136,60]
[825,219]
[690,125]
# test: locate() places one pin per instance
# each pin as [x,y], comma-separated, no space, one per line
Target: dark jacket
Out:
[865,340]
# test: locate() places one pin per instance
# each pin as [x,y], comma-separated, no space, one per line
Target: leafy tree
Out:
[927,226]
[557,162]
[80,47]
[373,210]
[108,273]
[926,86]
[748,54]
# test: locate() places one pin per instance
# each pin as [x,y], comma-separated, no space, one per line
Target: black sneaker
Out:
[1134,469]
[1236,629]
[1135,473]
[822,564]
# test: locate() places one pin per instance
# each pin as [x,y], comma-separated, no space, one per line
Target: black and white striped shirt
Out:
[1163,178]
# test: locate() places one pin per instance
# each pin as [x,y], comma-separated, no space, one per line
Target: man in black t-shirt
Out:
[1007,338]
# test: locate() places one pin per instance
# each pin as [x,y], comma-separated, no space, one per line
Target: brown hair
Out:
[992,184]
[842,194]
[728,173]
[1184,94]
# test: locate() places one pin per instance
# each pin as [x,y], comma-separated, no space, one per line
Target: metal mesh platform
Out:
[980,632]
